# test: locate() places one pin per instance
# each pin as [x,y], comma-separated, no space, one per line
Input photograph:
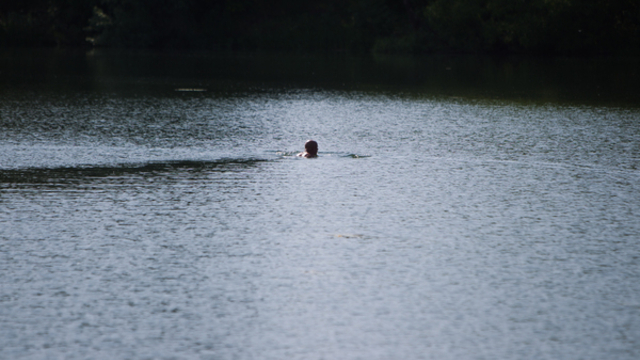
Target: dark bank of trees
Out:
[388,26]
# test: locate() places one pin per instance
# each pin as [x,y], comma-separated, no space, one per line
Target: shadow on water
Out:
[593,81]
[79,174]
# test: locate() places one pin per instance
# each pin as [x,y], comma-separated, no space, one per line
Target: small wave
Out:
[345,155]
[322,154]
[49,175]
[191,89]
[287,153]
[356,156]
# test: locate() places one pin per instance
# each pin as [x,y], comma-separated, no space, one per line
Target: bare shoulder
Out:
[307,155]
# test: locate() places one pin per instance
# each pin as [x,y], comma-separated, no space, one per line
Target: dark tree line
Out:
[389,26]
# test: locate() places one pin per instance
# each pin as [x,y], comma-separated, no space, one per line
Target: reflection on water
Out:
[603,81]
[137,221]
[77,175]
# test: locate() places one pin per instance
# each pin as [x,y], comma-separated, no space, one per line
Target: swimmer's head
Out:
[311,147]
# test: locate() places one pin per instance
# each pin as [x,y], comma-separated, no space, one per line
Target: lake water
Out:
[152,207]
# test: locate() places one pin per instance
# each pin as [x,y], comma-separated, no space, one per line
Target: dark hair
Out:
[311,147]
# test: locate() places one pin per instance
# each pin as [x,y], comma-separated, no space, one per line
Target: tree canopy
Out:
[386,26]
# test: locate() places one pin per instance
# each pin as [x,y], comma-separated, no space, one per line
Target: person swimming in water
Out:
[310,149]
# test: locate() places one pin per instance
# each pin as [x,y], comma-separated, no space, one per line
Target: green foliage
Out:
[535,26]
[44,22]
[383,26]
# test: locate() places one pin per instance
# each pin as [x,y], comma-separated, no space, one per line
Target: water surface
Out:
[152,207]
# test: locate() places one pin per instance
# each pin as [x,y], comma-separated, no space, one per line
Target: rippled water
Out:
[141,222]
